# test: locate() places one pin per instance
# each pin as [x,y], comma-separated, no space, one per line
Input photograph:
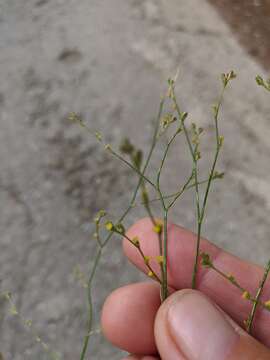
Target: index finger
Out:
[181,251]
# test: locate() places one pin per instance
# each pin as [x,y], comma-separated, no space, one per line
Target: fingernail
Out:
[199,329]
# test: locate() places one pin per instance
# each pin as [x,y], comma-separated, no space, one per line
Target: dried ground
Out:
[250,21]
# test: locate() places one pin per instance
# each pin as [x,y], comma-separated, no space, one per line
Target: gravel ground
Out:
[109,61]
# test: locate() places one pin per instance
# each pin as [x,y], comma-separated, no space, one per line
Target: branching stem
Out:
[257,298]
[122,217]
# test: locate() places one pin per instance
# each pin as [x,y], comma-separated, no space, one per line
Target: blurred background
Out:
[108,60]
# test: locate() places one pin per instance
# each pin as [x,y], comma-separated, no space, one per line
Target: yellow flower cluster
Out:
[246,295]
[158,228]
[160,259]
[136,241]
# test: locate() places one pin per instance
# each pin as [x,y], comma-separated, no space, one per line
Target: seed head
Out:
[136,241]
[147,260]
[267,304]
[158,228]
[109,226]
[246,295]
[160,259]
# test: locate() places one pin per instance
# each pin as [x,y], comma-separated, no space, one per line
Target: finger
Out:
[181,250]
[134,357]
[128,317]
[189,326]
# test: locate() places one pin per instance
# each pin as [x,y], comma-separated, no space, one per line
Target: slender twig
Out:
[90,305]
[203,207]
[154,223]
[122,217]
[164,158]
[195,175]
[141,175]
[164,287]
[14,311]
[146,260]
[257,298]
[179,193]
[228,277]
[207,263]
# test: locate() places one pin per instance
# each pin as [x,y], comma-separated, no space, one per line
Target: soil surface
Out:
[250,20]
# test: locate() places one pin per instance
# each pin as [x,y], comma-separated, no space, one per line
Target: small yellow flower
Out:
[267,304]
[160,259]
[38,339]
[136,241]
[27,323]
[151,274]
[158,228]
[231,277]
[109,226]
[147,260]
[108,147]
[98,136]
[246,295]
[13,310]
[120,229]
[221,140]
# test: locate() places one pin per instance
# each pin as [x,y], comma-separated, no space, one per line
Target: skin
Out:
[133,320]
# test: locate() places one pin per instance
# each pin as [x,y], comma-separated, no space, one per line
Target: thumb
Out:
[189,326]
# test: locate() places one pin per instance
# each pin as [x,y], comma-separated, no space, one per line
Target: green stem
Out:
[196,261]
[164,288]
[142,176]
[225,276]
[257,298]
[143,256]
[90,306]
[164,158]
[179,193]
[97,260]
[163,249]
[201,212]
[238,286]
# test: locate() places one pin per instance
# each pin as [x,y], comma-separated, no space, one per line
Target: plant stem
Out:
[238,286]
[142,176]
[122,217]
[201,212]
[164,286]
[179,193]
[164,289]
[227,277]
[257,298]
[90,306]
[143,256]
[196,261]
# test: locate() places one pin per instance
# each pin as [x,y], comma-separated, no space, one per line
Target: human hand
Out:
[201,324]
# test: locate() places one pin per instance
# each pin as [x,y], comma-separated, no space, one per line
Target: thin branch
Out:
[135,169]
[257,298]
[179,193]
[155,276]
[212,171]
[122,217]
